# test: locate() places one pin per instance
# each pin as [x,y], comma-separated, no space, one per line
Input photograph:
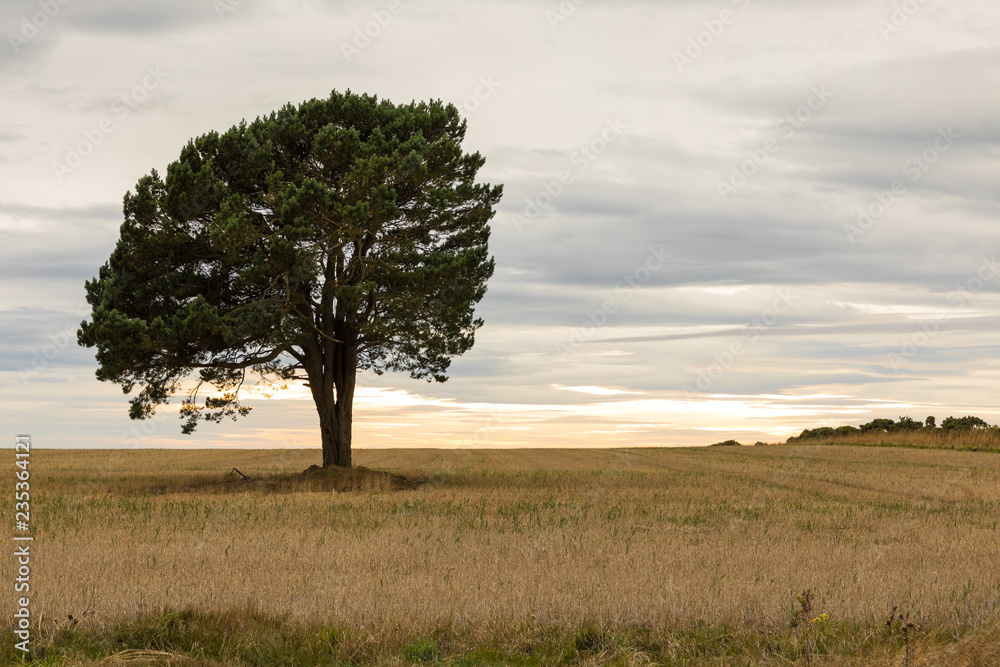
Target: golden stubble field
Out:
[726,536]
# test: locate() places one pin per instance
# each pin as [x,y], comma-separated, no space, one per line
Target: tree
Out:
[907,424]
[342,235]
[968,423]
[877,426]
[930,422]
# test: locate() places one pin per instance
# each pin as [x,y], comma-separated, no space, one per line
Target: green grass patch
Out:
[249,638]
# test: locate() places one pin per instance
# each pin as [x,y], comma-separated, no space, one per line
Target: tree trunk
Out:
[333,392]
[336,440]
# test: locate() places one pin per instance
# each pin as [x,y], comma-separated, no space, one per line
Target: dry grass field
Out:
[643,556]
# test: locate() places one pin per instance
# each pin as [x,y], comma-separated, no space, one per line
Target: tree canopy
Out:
[905,424]
[343,234]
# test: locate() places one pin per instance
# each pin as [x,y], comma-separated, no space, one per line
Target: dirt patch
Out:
[359,479]
[315,478]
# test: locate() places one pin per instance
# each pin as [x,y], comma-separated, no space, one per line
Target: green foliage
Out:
[241,638]
[726,443]
[593,639]
[825,432]
[344,233]
[963,424]
[423,650]
[889,426]
[816,433]
[907,424]
[877,426]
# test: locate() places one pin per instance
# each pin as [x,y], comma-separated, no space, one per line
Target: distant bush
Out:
[727,443]
[877,426]
[963,424]
[907,424]
[825,432]
[904,425]
[815,433]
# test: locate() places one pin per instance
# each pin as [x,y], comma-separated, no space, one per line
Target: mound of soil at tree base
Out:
[332,479]
[358,479]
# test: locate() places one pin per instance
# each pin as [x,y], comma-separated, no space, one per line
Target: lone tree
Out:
[342,235]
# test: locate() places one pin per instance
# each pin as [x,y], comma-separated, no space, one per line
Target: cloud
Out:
[598,391]
[584,342]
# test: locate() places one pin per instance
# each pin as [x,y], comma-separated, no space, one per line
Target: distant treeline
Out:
[905,424]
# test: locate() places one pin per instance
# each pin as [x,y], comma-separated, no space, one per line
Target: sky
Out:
[728,219]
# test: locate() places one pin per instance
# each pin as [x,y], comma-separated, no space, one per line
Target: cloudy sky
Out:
[737,218]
